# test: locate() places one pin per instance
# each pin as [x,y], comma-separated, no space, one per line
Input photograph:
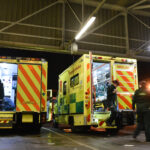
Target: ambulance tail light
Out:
[123,60]
[100,57]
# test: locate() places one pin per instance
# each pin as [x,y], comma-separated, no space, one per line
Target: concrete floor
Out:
[55,139]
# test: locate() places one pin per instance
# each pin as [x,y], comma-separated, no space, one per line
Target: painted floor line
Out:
[77,142]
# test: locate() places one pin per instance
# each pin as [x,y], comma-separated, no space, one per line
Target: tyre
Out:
[112,131]
[55,124]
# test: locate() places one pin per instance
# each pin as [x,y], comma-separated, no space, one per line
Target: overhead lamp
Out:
[148,87]
[85,27]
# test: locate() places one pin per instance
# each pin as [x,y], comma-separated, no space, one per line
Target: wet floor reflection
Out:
[56,139]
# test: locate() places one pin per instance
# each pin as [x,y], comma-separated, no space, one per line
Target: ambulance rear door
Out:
[126,75]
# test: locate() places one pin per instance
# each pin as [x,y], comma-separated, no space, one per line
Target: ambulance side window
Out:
[65,88]
[74,80]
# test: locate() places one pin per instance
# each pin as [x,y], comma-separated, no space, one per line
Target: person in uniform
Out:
[111,101]
[141,99]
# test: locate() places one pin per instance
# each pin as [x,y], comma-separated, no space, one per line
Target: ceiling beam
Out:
[100,4]
[111,7]
[139,20]
[33,47]
[101,44]
[139,50]
[28,16]
[54,49]
[142,7]
[32,36]
[74,13]
[136,4]
[95,4]
[71,30]
[113,54]
[140,13]
[142,58]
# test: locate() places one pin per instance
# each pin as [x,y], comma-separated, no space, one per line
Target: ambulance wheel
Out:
[75,129]
[81,129]
[55,124]
[111,131]
[71,123]
[37,129]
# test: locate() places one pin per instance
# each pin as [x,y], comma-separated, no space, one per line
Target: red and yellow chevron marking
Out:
[125,101]
[4,121]
[88,93]
[44,86]
[125,75]
[101,123]
[28,88]
[126,82]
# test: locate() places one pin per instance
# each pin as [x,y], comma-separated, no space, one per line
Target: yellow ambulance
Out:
[24,84]
[83,91]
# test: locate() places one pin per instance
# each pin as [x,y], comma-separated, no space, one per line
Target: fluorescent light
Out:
[86,26]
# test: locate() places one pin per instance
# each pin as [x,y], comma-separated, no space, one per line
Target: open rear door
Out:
[125,74]
[101,73]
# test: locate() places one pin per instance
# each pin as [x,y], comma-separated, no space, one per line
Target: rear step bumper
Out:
[6,120]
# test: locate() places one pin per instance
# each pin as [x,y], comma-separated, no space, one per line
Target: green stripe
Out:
[79,107]
[72,98]
[66,108]
[61,101]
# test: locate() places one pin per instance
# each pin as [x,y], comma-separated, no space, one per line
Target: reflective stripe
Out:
[124,73]
[88,105]
[125,79]
[44,86]
[28,94]
[126,101]
[120,106]
[88,78]
[20,98]
[4,121]
[101,123]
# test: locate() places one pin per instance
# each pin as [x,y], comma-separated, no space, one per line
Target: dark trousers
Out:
[112,116]
[147,124]
[1,104]
[140,124]
[143,123]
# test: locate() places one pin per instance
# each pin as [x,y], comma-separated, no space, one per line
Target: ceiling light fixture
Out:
[85,27]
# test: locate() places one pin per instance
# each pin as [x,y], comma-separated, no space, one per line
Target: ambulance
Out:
[24,84]
[82,92]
